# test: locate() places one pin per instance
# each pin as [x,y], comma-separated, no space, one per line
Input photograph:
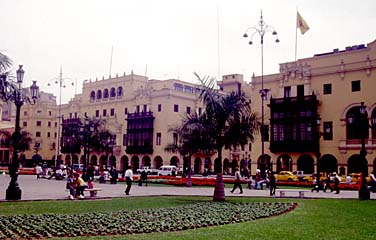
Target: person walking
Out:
[128,179]
[272,184]
[237,181]
[327,184]
[336,183]
[38,171]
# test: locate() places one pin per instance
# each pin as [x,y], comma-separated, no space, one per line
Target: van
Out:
[167,170]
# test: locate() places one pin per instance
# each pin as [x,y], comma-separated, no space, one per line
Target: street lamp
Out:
[61,82]
[318,153]
[261,30]
[364,193]
[12,91]
[86,130]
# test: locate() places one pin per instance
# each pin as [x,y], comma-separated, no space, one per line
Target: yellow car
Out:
[287,176]
[314,176]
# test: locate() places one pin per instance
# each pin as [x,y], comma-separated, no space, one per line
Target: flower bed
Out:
[21,171]
[191,216]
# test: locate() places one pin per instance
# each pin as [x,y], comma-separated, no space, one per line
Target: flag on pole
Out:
[301,24]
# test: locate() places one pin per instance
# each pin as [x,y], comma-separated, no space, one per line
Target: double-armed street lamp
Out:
[11,91]
[261,30]
[62,84]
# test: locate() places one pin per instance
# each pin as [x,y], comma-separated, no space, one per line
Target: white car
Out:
[167,170]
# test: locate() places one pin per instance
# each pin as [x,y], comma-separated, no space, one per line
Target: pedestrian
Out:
[144,177]
[327,184]
[372,182]
[272,184]
[38,171]
[70,186]
[237,182]
[128,179]
[336,183]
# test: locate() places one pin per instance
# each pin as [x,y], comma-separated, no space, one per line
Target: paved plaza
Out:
[44,189]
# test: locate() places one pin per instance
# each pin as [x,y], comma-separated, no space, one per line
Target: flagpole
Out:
[296,34]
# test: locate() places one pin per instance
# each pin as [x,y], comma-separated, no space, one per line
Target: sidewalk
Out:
[44,189]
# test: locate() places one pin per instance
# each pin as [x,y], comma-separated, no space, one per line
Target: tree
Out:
[5,63]
[228,120]
[24,142]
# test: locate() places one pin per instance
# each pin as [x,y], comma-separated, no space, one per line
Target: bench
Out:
[93,191]
[282,193]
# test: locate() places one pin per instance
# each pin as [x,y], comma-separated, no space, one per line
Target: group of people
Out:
[76,185]
[270,181]
[327,184]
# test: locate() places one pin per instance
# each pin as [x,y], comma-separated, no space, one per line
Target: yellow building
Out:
[329,87]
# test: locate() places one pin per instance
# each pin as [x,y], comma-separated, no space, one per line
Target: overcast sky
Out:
[170,38]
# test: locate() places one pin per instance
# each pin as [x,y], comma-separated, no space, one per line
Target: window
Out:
[70,115]
[112,112]
[137,109]
[300,91]
[287,92]
[55,135]
[159,136]
[99,94]
[125,110]
[199,111]
[25,113]
[355,86]
[92,96]
[125,141]
[48,134]
[24,124]
[49,113]
[176,108]
[120,91]
[328,131]
[49,124]
[105,93]
[39,123]
[104,112]
[97,113]
[328,88]
[175,138]
[188,110]
[55,124]
[159,107]
[39,112]
[37,134]
[145,108]
[113,92]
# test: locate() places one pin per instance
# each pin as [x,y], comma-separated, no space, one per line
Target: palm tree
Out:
[5,63]
[229,121]
[192,139]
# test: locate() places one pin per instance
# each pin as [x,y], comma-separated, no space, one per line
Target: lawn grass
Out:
[312,219]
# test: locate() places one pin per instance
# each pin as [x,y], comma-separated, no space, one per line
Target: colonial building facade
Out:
[313,114]
[312,117]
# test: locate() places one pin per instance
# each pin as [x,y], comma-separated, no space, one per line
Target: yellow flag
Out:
[301,24]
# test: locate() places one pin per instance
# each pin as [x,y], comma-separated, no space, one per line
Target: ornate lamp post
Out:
[61,82]
[364,193]
[12,91]
[261,30]
[318,153]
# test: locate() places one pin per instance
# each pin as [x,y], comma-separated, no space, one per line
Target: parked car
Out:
[287,176]
[314,176]
[148,170]
[167,170]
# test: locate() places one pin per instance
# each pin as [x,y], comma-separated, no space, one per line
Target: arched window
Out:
[92,95]
[354,124]
[113,92]
[105,93]
[120,91]
[99,94]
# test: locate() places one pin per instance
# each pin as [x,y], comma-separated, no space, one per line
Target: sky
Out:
[166,39]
